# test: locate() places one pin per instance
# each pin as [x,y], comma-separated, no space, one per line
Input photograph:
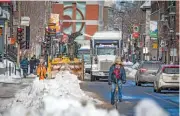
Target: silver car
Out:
[167,78]
[146,72]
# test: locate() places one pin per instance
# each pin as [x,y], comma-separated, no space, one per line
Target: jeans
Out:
[25,72]
[119,90]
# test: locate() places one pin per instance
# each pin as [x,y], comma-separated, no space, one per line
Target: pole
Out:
[6,52]
[18,45]
[122,35]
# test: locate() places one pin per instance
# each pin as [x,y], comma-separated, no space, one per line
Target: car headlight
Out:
[94,67]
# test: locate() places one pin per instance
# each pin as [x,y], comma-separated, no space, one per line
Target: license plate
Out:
[174,78]
[106,74]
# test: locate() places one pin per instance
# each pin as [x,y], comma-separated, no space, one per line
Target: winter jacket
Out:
[32,62]
[112,77]
[24,64]
[41,72]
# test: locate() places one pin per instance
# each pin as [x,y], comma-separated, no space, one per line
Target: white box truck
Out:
[105,47]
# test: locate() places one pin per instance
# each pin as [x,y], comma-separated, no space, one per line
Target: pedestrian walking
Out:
[32,64]
[116,71]
[24,65]
[41,71]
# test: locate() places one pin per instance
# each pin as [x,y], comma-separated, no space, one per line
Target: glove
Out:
[124,81]
[109,83]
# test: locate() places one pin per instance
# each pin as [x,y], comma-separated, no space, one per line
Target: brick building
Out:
[84,16]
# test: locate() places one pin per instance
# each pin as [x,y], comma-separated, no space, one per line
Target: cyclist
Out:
[116,71]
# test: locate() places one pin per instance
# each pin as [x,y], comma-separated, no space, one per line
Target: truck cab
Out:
[105,47]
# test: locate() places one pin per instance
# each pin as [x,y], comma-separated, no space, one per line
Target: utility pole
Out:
[18,45]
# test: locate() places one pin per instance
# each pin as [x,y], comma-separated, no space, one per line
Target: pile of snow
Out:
[148,107]
[61,107]
[9,76]
[130,72]
[65,85]
[2,65]
[70,107]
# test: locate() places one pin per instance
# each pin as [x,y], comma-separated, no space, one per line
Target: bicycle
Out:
[116,96]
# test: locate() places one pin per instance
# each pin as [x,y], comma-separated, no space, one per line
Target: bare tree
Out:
[132,15]
[38,11]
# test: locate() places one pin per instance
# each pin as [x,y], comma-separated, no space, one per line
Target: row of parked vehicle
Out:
[164,77]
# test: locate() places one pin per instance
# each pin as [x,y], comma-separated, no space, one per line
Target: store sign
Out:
[54,19]
[153,30]
[11,40]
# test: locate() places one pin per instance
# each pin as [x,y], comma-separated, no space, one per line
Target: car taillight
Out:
[143,70]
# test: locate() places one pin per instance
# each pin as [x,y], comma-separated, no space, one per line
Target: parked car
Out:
[167,78]
[146,72]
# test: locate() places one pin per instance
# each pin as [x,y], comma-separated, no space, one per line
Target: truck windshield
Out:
[106,51]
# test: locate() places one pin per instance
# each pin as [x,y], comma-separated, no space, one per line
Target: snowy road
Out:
[133,94]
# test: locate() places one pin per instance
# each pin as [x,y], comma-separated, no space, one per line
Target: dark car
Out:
[146,72]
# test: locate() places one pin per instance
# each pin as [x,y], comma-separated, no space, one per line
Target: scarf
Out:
[117,73]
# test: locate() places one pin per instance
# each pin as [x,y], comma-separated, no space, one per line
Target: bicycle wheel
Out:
[116,98]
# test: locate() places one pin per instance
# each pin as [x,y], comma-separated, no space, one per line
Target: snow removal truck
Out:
[105,47]
[68,60]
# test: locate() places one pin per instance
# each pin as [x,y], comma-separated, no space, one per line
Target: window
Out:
[169,70]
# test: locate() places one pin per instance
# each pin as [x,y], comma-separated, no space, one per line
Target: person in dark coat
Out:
[116,72]
[32,64]
[24,65]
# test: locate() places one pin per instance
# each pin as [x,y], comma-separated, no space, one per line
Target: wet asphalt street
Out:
[132,94]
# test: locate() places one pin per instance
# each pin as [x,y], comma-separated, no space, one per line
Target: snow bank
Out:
[9,76]
[148,107]
[65,85]
[54,106]
[130,72]
[2,65]
[61,107]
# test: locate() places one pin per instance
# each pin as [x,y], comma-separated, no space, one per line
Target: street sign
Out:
[25,21]
[145,50]
[173,52]
[155,46]
[11,40]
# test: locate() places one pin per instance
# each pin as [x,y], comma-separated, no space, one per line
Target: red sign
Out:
[135,35]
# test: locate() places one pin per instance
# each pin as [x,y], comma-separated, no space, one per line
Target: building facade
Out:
[166,13]
[83,16]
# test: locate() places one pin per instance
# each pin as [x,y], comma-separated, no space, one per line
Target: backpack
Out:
[116,72]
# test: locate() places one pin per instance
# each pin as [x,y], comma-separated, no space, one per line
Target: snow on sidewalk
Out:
[65,85]
[62,96]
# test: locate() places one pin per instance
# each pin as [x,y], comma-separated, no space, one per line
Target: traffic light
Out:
[20,34]
[48,40]
[20,37]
